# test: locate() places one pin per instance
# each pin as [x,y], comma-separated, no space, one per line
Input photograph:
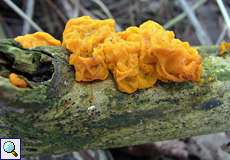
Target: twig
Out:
[224,13]
[67,7]
[29,13]
[57,10]
[200,32]
[181,16]
[99,14]
[103,7]
[50,18]
[71,10]
[75,11]
[222,34]
[118,4]
[86,12]
[22,14]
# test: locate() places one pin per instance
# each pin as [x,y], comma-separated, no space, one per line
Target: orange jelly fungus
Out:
[17,81]
[137,57]
[30,41]
[224,47]
[83,37]
[37,39]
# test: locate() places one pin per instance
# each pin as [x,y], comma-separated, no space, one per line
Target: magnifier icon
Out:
[9,147]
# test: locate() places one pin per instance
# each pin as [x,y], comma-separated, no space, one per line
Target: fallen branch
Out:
[59,115]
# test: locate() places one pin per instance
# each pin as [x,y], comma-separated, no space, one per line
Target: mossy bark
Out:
[59,115]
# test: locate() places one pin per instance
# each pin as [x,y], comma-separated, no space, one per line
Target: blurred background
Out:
[196,21]
[200,22]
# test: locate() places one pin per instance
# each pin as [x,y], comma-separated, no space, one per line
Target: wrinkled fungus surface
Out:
[37,39]
[137,57]
[83,36]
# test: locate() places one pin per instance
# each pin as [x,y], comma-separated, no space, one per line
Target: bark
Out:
[57,115]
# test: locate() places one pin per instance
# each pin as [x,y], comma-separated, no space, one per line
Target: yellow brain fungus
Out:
[30,41]
[137,57]
[89,68]
[37,39]
[17,81]
[83,36]
[224,47]
[121,57]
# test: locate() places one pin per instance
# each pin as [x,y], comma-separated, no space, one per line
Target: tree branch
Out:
[59,115]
